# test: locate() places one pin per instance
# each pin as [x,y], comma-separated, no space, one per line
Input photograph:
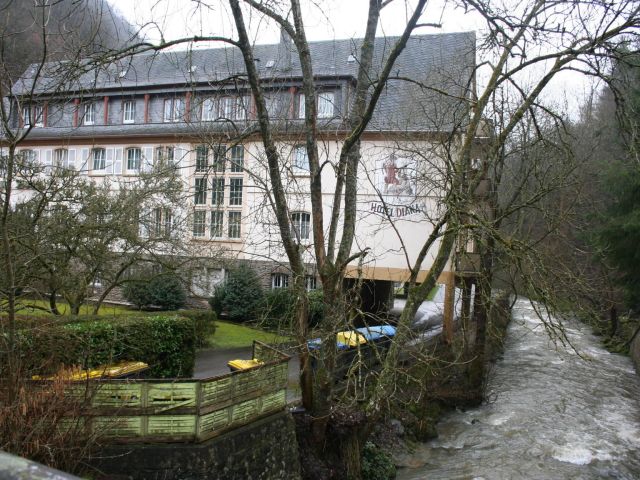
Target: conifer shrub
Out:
[240,297]
[165,292]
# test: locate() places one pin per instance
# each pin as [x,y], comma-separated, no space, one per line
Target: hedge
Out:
[204,322]
[166,342]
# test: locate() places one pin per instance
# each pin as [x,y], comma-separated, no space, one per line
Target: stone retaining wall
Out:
[264,450]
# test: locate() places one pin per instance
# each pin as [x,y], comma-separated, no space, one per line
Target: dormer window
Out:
[89,117]
[128,111]
[26,117]
[325,104]
[226,107]
[301,106]
[209,111]
[38,116]
[242,106]
[173,109]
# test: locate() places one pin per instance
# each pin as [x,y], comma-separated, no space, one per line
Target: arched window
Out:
[301,225]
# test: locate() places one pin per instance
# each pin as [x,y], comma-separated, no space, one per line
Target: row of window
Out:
[281,280]
[214,158]
[217,186]
[216,224]
[212,109]
[165,156]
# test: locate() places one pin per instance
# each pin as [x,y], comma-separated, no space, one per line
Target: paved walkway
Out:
[212,362]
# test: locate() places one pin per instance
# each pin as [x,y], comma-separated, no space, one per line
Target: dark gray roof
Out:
[443,66]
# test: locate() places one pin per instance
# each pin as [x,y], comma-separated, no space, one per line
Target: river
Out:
[550,414]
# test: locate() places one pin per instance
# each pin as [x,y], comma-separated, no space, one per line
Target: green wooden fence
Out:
[190,410]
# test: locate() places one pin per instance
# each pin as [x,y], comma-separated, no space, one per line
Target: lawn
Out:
[232,335]
[105,310]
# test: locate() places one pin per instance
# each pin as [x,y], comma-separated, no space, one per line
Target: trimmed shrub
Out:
[164,291]
[204,322]
[138,293]
[240,296]
[167,292]
[166,342]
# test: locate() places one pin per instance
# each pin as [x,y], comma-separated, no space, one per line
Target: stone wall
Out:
[264,450]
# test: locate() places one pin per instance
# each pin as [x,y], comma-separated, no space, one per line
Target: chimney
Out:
[285,48]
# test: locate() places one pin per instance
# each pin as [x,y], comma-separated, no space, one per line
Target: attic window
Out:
[270,63]
[351,58]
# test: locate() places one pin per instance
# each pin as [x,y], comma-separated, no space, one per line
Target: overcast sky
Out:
[338,19]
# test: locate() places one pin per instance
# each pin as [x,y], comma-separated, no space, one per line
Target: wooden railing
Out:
[190,410]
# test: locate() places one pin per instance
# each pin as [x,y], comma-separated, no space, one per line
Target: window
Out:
[199,223]
[99,159]
[219,156]
[235,191]
[29,156]
[89,117]
[134,156]
[173,109]
[216,223]
[209,110]
[226,107]
[26,117]
[310,282]
[202,158]
[301,225]
[242,106]
[38,116]
[300,158]
[217,191]
[164,157]
[273,105]
[61,158]
[301,106]
[325,105]
[234,224]
[200,195]
[237,158]
[128,111]
[162,222]
[279,280]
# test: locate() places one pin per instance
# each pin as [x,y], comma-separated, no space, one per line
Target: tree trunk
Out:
[53,306]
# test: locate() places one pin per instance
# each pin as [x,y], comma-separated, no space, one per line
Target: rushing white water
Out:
[551,414]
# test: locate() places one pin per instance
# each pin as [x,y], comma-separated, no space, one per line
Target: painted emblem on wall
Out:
[398,176]
[396,183]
